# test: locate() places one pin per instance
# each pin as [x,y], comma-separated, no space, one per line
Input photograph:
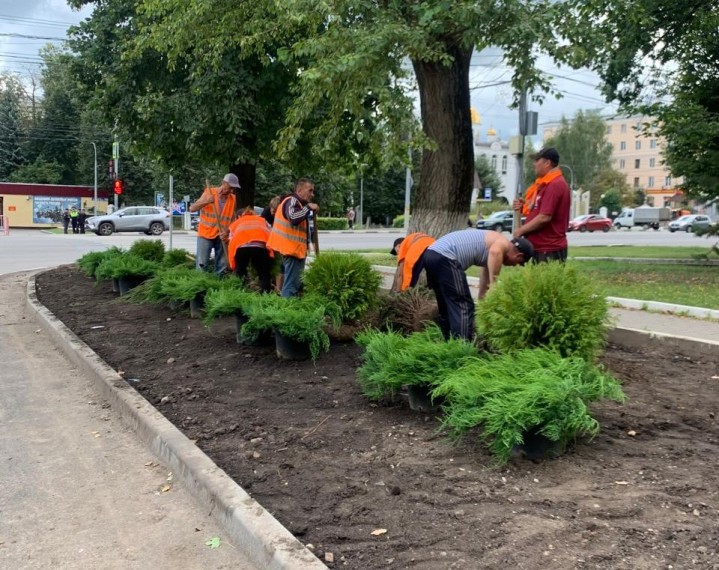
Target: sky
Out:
[489,95]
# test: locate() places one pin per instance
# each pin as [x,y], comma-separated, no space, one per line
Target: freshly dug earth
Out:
[333,467]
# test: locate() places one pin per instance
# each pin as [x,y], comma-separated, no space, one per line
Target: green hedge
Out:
[332,223]
[398,221]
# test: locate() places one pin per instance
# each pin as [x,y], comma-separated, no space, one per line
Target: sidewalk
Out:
[79,491]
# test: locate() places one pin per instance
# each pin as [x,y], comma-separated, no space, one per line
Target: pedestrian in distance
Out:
[546,207]
[74,215]
[290,234]
[65,220]
[351,218]
[217,210]
[410,263]
[248,246]
[446,261]
[82,216]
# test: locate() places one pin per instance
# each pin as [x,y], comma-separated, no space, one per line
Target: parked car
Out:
[589,223]
[148,219]
[498,221]
[690,223]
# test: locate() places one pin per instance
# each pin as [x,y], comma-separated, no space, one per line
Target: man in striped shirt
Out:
[446,261]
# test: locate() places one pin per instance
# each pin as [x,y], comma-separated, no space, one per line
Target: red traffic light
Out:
[118,187]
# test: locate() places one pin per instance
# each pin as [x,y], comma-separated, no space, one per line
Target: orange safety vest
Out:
[287,238]
[245,229]
[531,194]
[410,250]
[207,226]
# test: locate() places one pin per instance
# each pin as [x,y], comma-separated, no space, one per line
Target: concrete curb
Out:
[255,531]
[637,338]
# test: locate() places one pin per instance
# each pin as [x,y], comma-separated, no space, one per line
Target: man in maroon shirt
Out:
[548,217]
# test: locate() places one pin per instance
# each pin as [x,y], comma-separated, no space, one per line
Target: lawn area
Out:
[696,286]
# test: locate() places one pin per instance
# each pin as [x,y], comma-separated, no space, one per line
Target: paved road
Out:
[77,489]
[32,249]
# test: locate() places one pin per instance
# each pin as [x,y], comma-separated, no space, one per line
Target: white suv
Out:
[147,219]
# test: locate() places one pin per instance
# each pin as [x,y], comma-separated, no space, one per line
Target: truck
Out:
[643,216]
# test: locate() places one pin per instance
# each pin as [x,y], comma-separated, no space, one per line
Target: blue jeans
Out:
[293,267]
[202,259]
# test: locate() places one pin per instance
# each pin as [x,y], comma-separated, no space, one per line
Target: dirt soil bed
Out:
[333,467]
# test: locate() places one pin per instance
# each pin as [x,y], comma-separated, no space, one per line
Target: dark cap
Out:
[549,153]
[524,246]
[395,247]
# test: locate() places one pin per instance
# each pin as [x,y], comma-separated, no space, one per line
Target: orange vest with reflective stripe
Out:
[207,227]
[287,238]
[410,250]
[245,229]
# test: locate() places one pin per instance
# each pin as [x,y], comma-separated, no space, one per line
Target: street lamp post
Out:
[94,196]
[361,216]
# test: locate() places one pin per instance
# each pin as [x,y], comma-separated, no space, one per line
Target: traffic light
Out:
[118,186]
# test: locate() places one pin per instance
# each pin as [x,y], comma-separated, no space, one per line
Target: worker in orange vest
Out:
[217,210]
[290,234]
[248,245]
[409,253]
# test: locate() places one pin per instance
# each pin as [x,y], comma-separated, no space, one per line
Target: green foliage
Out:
[346,279]
[91,260]
[398,221]
[126,265]
[391,360]
[178,257]
[488,177]
[226,302]
[185,285]
[332,223]
[151,290]
[550,305]
[582,146]
[511,394]
[303,319]
[151,250]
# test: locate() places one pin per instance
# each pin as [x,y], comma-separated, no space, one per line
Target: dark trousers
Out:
[74,225]
[261,261]
[559,255]
[454,300]
[65,224]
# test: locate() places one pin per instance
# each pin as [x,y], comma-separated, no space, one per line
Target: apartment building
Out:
[503,162]
[638,156]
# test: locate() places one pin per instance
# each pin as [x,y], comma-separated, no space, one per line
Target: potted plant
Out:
[345,279]
[90,263]
[532,401]
[237,302]
[419,361]
[129,270]
[151,250]
[191,287]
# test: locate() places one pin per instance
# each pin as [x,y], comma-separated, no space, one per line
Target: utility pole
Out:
[116,158]
[520,156]
[172,201]
[94,195]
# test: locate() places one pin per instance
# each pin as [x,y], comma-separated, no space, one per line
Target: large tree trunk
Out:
[246,173]
[446,174]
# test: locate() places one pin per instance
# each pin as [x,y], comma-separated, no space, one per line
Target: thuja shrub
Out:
[391,360]
[346,279]
[550,305]
[533,390]
[151,250]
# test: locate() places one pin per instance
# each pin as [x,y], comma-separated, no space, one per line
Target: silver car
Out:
[690,223]
[147,219]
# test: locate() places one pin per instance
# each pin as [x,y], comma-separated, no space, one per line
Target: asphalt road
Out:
[33,249]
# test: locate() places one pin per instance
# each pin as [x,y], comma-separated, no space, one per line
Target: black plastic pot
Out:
[197,306]
[115,285]
[537,447]
[420,399]
[125,284]
[290,349]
